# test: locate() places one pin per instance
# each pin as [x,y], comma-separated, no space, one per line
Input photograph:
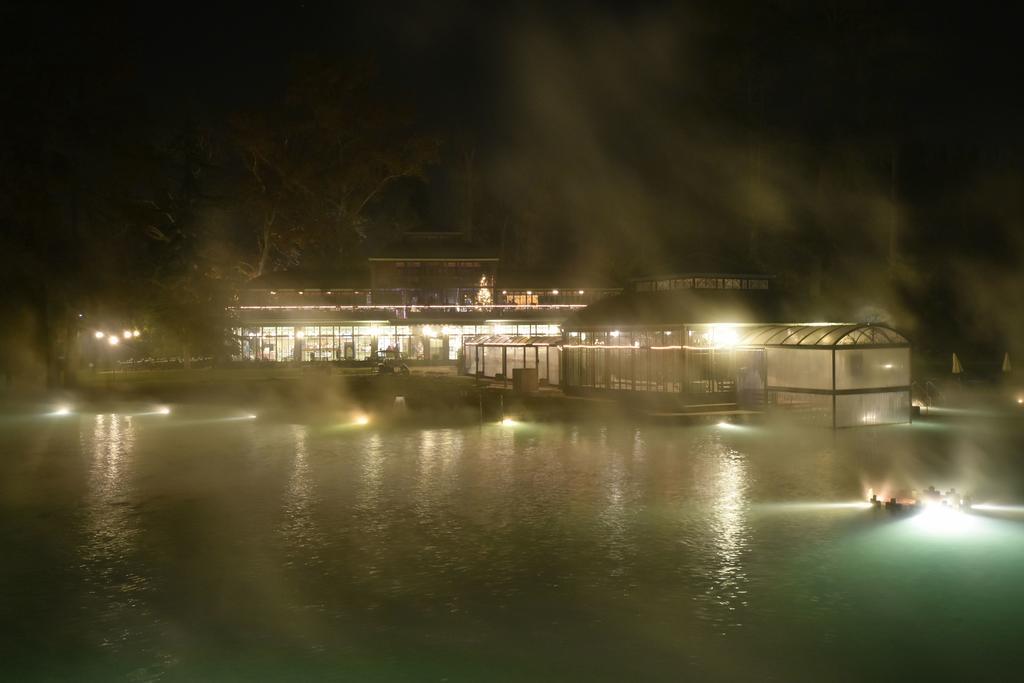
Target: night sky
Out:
[620,139]
[949,73]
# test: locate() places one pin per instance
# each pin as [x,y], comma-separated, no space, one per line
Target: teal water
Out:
[202,545]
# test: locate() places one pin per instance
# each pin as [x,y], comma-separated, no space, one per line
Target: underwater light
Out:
[507,422]
[62,410]
[1020,401]
[936,518]
[362,420]
[990,507]
[250,416]
[164,410]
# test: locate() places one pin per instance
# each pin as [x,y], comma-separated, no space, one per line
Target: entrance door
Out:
[436,349]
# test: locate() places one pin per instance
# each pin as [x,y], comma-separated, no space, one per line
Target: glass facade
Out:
[809,408]
[841,383]
[872,368]
[851,410]
[888,407]
[498,356]
[651,360]
[795,368]
[836,374]
[673,282]
[361,341]
[628,369]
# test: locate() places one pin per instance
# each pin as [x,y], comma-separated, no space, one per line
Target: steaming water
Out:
[190,547]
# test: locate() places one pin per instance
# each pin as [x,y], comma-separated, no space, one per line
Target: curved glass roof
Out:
[835,334]
[513,340]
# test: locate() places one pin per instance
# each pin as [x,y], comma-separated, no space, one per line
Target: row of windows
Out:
[706,371]
[361,342]
[495,361]
[666,284]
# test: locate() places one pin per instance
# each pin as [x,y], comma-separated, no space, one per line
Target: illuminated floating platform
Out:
[927,499]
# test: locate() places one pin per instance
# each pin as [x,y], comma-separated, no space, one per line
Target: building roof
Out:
[511,340]
[545,281]
[678,307]
[822,335]
[683,276]
[441,248]
[310,279]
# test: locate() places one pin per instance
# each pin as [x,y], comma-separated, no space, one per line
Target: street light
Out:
[99,335]
[113,340]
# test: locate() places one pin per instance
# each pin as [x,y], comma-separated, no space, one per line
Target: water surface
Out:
[204,545]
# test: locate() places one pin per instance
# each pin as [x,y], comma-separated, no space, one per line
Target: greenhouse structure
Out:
[496,356]
[843,375]
[691,351]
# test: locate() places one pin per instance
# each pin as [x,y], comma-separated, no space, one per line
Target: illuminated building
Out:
[710,348]
[418,300]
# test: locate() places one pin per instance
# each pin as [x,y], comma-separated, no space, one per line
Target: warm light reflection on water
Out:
[189,540]
[371,474]
[299,528]
[110,447]
[720,477]
[111,531]
[813,507]
[618,512]
[730,531]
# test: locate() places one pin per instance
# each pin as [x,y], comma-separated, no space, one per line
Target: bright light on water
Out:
[164,410]
[989,507]
[707,552]
[362,420]
[961,412]
[62,410]
[944,520]
[814,507]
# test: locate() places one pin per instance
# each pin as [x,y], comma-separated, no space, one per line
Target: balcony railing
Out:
[405,302]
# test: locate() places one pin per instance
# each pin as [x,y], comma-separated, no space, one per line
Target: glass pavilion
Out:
[834,374]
